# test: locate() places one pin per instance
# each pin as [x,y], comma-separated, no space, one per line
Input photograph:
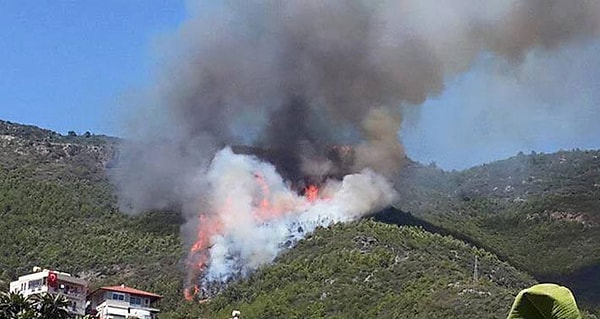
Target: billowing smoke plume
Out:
[251,214]
[294,79]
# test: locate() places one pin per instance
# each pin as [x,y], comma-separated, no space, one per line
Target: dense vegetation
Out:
[40,306]
[540,212]
[537,212]
[58,210]
[374,270]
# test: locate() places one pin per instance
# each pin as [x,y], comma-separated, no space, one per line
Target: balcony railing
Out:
[125,304]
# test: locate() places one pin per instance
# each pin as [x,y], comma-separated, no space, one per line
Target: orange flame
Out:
[311,193]
[190,292]
[208,226]
[265,210]
[266,192]
[211,225]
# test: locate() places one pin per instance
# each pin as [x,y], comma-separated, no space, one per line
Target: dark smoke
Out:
[287,132]
[300,76]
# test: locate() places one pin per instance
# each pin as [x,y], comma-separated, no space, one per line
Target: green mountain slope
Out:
[540,212]
[374,270]
[58,210]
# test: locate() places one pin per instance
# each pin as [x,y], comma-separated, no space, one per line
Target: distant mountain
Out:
[53,156]
[538,212]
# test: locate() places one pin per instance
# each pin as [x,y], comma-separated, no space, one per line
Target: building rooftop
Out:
[63,276]
[129,290]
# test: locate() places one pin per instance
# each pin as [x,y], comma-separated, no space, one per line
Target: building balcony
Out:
[125,305]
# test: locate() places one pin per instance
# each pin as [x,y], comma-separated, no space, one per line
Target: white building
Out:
[120,302]
[54,282]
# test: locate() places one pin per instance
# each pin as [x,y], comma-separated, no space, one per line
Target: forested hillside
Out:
[58,210]
[537,212]
[374,270]
[540,212]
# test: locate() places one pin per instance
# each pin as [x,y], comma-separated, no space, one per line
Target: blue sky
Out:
[67,65]
[64,65]
[551,102]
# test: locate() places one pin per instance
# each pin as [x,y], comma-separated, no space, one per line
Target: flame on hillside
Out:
[296,77]
[253,214]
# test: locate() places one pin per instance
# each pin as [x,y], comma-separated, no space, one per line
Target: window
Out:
[35,284]
[135,300]
[116,296]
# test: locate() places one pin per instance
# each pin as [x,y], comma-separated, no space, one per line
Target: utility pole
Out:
[475,271]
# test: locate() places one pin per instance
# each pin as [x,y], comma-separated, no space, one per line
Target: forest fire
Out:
[252,213]
[207,227]
[265,208]
[311,193]
[289,79]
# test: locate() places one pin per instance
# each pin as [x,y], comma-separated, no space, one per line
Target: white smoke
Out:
[259,214]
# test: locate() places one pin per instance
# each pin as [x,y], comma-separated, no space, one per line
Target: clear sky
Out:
[66,65]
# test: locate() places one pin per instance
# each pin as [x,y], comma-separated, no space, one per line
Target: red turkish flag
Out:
[52,280]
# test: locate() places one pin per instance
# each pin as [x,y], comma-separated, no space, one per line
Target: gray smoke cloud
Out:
[294,78]
[299,76]
[549,102]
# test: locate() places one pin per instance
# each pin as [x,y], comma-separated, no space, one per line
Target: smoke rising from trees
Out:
[297,77]
[282,74]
